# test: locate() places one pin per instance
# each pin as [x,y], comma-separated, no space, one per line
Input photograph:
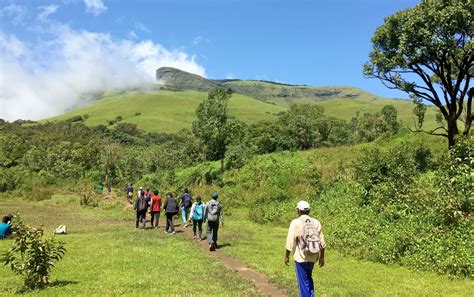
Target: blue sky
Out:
[315,42]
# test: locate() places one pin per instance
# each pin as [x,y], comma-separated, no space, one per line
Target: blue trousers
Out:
[184,214]
[304,275]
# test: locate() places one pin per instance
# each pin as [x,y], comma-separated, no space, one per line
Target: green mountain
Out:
[267,91]
[171,106]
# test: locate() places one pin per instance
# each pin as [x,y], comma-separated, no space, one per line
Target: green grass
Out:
[262,247]
[106,255]
[166,111]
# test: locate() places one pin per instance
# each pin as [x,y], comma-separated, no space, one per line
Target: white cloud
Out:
[46,11]
[66,67]
[142,27]
[96,7]
[16,12]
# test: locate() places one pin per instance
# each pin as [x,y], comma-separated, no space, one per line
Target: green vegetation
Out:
[164,111]
[121,260]
[32,257]
[106,255]
[262,247]
[427,51]
[378,201]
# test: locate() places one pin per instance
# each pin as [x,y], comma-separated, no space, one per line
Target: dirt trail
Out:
[259,279]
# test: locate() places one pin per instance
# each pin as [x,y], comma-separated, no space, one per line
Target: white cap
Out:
[302,205]
[141,188]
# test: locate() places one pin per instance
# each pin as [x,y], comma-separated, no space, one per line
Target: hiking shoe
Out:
[194,237]
[212,247]
[173,233]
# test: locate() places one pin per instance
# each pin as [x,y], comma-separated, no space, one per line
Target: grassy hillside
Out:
[166,111]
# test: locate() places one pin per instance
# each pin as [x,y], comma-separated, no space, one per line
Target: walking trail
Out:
[260,281]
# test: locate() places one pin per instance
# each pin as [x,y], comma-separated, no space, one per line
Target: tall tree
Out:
[427,51]
[211,125]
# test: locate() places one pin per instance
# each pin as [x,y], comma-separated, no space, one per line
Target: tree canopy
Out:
[428,52]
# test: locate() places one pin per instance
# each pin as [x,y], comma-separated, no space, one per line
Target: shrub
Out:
[89,199]
[40,194]
[75,119]
[31,256]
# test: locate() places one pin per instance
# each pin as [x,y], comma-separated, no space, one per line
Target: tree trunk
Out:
[452,131]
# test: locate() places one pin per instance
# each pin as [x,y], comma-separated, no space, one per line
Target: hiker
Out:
[148,197]
[129,193]
[6,226]
[197,216]
[155,208]
[140,192]
[100,188]
[186,203]
[108,187]
[306,241]
[213,214]
[141,208]
[171,209]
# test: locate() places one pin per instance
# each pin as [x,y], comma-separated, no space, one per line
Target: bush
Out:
[31,256]
[40,194]
[89,199]
[75,119]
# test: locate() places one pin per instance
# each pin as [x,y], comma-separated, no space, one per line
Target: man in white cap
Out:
[306,241]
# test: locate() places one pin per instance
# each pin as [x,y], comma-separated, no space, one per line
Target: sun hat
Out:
[302,205]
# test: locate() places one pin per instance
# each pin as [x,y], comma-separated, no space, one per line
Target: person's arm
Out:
[164,206]
[205,213]
[221,216]
[290,244]
[322,247]
[193,208]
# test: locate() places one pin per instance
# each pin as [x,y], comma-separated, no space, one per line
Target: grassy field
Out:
[262,248]
[167,111]
[106,255]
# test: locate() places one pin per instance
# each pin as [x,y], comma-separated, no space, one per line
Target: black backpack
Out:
[172,206]
[188,200]
[142,205]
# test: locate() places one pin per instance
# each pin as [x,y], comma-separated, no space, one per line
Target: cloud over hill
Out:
[65,66]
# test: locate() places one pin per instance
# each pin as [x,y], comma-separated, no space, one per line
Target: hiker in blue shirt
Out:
[6,226]
[197,216]
[186,203]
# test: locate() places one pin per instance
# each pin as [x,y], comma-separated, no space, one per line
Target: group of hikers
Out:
[195,212]
[305,239]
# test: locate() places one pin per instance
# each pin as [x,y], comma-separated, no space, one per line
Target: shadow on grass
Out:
[53,284]
[223,246]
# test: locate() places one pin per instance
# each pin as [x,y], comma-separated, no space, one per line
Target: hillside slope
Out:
[166,111]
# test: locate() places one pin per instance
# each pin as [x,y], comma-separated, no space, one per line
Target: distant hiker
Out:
[306,241]
[155,209]
[197,216]
[140,192]
[129,193]
[148,195]
[6,226]
[171,209]
[186,203]
[100,188]
[213,214]
[141,208]
[107,186]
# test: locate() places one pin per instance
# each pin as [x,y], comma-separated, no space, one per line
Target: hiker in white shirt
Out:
[306,242]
